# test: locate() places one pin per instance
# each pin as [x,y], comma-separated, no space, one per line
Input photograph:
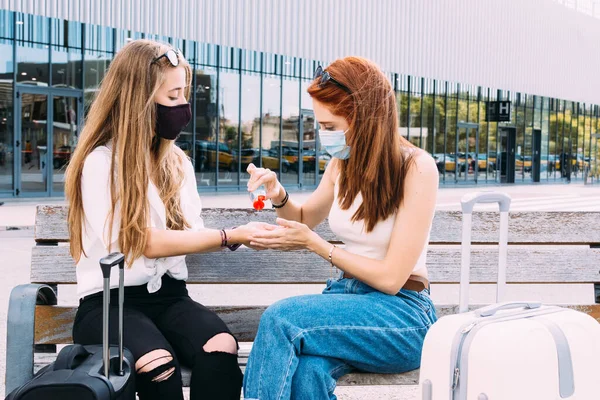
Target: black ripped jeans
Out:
[169,320]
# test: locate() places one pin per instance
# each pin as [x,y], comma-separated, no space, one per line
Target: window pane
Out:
[229,106]
[6,115]
[32,49]
[427,117]
[566,141]
[204,148]
[64,132]
[414,132]
[451,133]
[520,153]
[439,133]
[66,54]
[271,120]
[98,54]
[123,37]
[290,136]
[250,121]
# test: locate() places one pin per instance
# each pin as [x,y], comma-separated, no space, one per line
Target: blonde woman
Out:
[130,189]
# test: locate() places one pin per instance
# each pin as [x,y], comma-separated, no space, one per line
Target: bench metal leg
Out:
[20,330]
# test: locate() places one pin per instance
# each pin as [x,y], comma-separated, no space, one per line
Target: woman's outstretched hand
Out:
[289,235]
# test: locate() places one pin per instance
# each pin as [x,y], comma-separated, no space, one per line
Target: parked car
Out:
[523,162]
[445,164]
[270,159]
[206,156]
[61,156]
[291,155]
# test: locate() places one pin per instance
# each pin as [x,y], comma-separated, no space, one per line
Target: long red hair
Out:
[379,156]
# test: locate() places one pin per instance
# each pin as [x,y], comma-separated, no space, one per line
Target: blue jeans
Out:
[305,343]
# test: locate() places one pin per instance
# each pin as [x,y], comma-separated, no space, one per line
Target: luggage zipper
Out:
[463,333]
[459,388]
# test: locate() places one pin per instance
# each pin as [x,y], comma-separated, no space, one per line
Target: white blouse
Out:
[96,194]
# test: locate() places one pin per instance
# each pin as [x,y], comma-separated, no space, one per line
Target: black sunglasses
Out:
[326,77]
[172,55]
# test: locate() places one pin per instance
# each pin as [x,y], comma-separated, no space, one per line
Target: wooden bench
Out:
[545,247]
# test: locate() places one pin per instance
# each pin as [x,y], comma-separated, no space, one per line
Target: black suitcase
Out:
[96,372]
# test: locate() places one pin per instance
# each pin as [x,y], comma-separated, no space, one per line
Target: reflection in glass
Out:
[32,32]
[250,121]
[442,160]
[98,54]
[290,136]
[309,158]
[64,138]
[95,68]
[565,156]
[34,143]
[202,147]
[427,128]
[414,131]
[578,150]
[6,116]
[66,54]
[310,122]
[520,160]
[452,164]
[229,103]
[546,163]
[271,120]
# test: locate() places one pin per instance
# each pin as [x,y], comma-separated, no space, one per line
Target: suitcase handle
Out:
[468,203]
[106,264]
[494,308]
[469,200]
[71,358]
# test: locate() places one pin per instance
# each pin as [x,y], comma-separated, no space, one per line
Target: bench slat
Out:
[524,227]
[356,379]
[526,264]
[54,323]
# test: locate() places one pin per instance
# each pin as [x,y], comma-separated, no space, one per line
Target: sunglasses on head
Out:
[172,55]
[326,77]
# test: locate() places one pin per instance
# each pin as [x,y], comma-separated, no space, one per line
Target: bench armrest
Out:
[20,329]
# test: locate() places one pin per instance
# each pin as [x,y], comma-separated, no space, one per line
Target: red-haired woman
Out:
[379,194]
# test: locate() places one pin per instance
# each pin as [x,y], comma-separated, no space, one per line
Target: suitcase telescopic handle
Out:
[468,202]
[494,308]
[106,264]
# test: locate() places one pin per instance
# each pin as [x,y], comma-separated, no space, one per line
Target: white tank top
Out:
[357,241]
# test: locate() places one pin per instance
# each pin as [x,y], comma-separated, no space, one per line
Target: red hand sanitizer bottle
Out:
[258,198]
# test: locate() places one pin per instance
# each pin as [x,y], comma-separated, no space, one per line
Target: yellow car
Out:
[270,159]
[445,164]
[524,163]
[206,156]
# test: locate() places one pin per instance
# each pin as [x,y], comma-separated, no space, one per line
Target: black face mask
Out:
[170,121]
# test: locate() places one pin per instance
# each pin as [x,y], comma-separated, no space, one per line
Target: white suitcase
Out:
[512,350]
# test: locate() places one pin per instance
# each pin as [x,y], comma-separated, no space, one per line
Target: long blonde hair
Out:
[124,115]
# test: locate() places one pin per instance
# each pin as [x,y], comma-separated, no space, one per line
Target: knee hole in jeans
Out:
[158,365]
[222,342]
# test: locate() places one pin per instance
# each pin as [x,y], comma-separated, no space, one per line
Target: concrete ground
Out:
[15,257]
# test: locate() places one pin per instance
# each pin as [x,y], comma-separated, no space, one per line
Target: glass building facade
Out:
[253,107]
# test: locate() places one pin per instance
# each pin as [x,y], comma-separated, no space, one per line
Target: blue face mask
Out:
[334,143]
